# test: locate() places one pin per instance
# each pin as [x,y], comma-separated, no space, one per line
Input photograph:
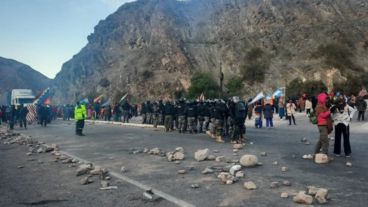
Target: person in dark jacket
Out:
[23,111]
[169,113]
[220,111]
[180,112]
[362,107]
[268,114]
[43,115]
[191,113]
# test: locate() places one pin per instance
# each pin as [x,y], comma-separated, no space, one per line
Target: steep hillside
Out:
[151,48]
[14,75]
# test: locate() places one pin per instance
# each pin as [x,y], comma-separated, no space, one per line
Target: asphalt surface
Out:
[110,146]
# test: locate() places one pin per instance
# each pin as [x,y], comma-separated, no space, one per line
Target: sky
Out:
[46,33]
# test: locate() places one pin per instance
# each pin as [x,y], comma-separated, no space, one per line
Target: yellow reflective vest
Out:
[80,112]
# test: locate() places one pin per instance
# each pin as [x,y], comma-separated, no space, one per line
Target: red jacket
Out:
[322,112]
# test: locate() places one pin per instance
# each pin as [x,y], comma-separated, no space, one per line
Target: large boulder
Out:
[321,158]
[321,195]
[248,160]
[201,155]
[303,198]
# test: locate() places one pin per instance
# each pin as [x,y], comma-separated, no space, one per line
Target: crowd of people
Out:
[218,118]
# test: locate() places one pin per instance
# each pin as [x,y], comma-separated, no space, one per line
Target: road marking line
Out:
[140,185]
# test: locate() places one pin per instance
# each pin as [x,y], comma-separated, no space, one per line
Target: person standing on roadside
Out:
[290,110]
[23,111]
[341,120]
[324,123]
[308,106]
[268,114]
[80,114]
[362,107]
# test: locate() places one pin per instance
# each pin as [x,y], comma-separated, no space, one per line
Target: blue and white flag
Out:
[277,93]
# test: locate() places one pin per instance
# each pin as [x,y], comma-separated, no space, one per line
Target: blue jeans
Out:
[269,122]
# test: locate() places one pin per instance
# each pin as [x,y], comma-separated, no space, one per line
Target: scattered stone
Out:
[39,150]
[250,185]
[179,149]
[309,156]
[31,159]
[226,178]
[263,154]
[220,159]
[123,169]
[194,186]
[302,198]
[177,162]
[207,171]
[259,163]
[211,157]
[149,195]
[104,184]
[251,143]
[20,166]
[274,185]
[154,151]
[85,181]
[235,150]
[234,169]
[63,157]
[110,188]
[307,143]
[178,155]
[321,158]
[201,155]
[40,162]
[275,163]
[96,171]
[321,195]
[286,183]
[29,153]
[145,150]
[239,174]
[284,195]
[304,140]
[107,178]
[238,146]
[182,171]
[312,190]
[84,169]
[284,169]
[349,164]
[216,151]
[248,160]
[69,160]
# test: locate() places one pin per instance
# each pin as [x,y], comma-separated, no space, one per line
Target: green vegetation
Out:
[104,82]
[338,56]
[203,83]
[352,85]
[234,86]
[254,66]
[147,75]
[297,87]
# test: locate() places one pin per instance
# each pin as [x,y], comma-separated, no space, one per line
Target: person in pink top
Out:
[324,123]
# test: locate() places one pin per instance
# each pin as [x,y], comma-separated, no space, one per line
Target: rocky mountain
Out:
[14,74]
[151,48]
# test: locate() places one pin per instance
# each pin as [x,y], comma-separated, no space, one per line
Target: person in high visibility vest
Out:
[80,114]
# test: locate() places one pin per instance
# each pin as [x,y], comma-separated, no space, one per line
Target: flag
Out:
[98,98]
[123,98]
[277,93]
[43,97]
[32,113]
[257,98]
[47,101]
[201,97]
[85,100]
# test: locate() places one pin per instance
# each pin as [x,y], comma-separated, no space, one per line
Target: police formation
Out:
[217,118]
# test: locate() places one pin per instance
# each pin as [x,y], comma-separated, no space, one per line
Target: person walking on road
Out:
[80,114]
[341,120]
[268,115]
[290,110]
[324,123]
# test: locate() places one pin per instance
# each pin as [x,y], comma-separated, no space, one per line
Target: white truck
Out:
[21,96]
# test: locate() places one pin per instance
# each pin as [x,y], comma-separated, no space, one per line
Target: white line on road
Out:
[140,185]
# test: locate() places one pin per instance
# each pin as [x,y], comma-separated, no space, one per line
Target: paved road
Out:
[110,146]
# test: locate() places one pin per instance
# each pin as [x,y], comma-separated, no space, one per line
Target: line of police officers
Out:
[215,117]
